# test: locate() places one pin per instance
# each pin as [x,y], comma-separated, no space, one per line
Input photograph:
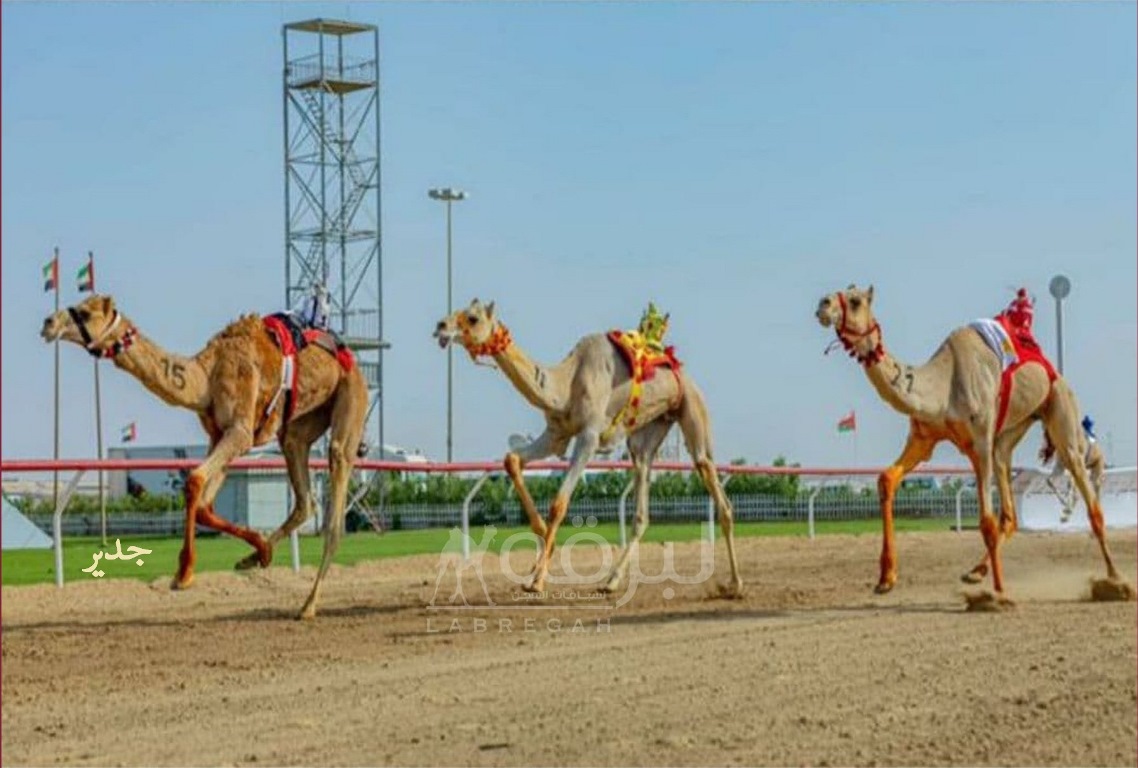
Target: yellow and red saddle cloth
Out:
[643,359]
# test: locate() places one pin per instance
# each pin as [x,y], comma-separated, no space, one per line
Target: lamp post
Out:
[1059,287]
[449,196]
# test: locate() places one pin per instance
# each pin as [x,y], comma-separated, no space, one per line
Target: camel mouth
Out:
[444,337]
[51,330]
[824,318]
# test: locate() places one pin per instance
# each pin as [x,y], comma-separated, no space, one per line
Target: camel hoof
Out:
[986,602]
[1111,590]
[534,586]
[246,563]
[883,587]
[307,614]
[182,582]
[732,591]
[972,577]
[611,586]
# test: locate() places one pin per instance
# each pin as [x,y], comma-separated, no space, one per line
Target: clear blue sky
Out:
[732,162]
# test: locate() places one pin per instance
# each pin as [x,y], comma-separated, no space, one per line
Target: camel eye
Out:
[472,319]
[855,303]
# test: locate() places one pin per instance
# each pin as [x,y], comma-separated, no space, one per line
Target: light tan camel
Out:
[955,397]
[1096,468]
[234,386]
[582,397]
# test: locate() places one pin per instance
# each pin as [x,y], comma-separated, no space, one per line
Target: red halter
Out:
[848,338]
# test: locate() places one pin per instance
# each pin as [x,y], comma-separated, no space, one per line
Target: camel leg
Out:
[1065,432]
[1002,460]
[583,450]
[696,427]
[296,448]
[981,457]
[1094,509]
[208,517]
[1068,452]
[234,442]
[642,445]
[514,461]
[347,431]
[917,449]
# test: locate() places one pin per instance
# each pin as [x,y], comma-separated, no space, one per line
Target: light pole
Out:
[449,196]
[1060,286]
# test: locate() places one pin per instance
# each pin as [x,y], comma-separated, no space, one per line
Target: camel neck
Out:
[911,390]
[178,380]
[536,383]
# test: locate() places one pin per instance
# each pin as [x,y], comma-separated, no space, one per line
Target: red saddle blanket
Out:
[291,338]
[641,357]
[1027,350]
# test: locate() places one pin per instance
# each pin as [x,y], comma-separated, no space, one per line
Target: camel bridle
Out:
[94,346]
[849,337]
[498,342]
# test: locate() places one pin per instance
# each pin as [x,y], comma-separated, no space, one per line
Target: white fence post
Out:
[810,510]
[57,524]
[620,512]
[294,549]
[466,513]
[960,508]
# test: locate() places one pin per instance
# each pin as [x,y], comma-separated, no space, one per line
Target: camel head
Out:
[850,314]
[93,323]
[476,328]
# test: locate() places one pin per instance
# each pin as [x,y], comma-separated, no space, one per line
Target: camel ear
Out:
[869,295]
[107,305]
[490,311]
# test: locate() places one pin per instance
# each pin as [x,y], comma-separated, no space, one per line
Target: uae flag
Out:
[51,275]
[129,433]
[86,276]
[848,424]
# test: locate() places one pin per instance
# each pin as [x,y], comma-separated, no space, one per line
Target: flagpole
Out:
[98,414]
[55,447]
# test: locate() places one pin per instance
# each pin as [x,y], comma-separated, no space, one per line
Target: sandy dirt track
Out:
[810,668]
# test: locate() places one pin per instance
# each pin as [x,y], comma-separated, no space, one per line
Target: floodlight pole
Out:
[449,196]
[1059,287]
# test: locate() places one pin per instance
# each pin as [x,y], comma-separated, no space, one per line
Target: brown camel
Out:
[234,386]
[955,396]
[586,398]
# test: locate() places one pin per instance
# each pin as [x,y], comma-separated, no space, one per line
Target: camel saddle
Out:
[1024,349]
[291,337]
[644,356]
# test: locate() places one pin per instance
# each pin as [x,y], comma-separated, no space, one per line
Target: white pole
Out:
[810,511]
[621,514]
[294,547]
[57,524]
[466,514]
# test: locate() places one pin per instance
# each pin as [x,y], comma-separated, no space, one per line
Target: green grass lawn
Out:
[219,553]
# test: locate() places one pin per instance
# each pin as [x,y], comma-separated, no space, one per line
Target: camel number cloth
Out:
[1015,347]
[643,359]
[290,337]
